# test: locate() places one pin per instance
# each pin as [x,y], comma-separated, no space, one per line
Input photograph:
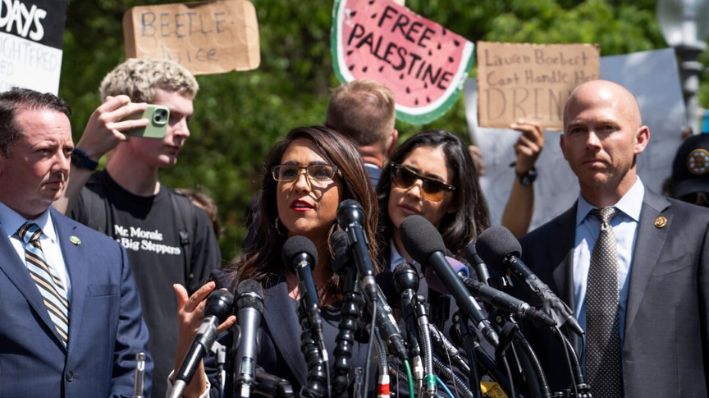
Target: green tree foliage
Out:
[240,115]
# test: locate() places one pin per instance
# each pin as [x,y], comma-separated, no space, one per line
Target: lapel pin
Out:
[661,222]
[76,241]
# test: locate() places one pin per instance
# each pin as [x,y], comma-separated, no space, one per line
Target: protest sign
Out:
[207,37]
[424,63]
[530,81]
[31,35]
[651,75]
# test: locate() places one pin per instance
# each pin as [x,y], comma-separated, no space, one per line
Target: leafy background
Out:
[239,115]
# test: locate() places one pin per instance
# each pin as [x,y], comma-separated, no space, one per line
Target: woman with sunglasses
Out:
[308,175]
[431,174]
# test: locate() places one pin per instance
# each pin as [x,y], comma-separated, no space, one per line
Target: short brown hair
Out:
[364,111]
[16,100]
[139,78]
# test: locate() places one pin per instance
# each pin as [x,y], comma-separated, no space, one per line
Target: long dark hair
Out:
[471,216]
[262,259]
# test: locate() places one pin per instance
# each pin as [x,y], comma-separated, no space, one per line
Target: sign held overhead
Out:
[207,37]
[530,81]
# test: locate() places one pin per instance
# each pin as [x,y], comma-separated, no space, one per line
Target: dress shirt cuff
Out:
[170,386]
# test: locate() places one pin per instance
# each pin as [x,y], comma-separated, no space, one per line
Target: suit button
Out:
[69,376]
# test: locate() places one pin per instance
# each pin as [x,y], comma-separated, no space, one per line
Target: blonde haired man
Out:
[168,239]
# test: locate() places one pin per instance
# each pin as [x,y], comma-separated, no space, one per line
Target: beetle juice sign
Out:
[421,61]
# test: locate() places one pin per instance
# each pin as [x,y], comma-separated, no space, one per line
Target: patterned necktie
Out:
[50,286]
[604,366]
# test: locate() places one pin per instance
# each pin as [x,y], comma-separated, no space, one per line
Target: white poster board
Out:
[651,75]
[31,37]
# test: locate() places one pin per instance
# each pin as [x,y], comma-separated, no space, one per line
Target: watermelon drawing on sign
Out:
[421,61]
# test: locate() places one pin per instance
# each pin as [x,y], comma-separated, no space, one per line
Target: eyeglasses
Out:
[316,173]
[432,189]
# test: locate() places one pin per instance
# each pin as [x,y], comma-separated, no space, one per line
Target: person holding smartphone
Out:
[168,239]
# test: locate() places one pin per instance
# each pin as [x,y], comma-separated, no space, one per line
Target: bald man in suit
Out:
[657,337]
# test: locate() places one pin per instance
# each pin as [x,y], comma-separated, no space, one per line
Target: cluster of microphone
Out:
[484,353]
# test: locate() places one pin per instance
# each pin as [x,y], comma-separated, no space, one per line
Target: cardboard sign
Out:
[531,81]
[658,90]
[31,35]
[422,62]
[208,37]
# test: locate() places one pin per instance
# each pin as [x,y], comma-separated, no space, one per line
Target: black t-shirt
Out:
[148,228]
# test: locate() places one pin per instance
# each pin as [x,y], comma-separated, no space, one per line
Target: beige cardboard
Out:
[530,81]
[206,37]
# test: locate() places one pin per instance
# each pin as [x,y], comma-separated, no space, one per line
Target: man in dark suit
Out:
[71,318]
[635,271]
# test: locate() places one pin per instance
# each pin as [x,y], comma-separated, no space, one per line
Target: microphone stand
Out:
[350,311]
[470,340]
[315,385]
[221,367]
[139,375]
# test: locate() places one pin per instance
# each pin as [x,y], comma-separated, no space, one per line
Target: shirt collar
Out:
[395,259]
[11,221]
[630,204]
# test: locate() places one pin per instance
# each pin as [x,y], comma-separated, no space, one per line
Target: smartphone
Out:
[157,127]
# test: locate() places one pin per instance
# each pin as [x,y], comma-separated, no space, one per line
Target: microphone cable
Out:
[444,387]
[425,336]
[446,370]
[368,360]
[383,384]
[578,384]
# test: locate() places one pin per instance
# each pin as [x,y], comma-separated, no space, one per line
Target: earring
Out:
[276,225]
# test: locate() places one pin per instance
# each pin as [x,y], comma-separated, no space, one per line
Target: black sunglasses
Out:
[432,189]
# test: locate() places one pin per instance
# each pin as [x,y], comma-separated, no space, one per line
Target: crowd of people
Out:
[131,266]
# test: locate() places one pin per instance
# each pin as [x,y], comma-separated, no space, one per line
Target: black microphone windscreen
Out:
[406,277]
[219,304]
[349,211]
[496,243]
[420,238]
[297,245]
[340,249]
[249,293]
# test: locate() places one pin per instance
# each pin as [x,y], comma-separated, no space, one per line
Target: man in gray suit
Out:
[633,265]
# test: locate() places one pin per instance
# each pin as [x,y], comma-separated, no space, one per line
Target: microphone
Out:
[341,252]
[506,302]
[471,254]
[349,217]
[497,245]
[218,308]
[301,254]
[406,281]
[435,283]
[424,243]
[249,302]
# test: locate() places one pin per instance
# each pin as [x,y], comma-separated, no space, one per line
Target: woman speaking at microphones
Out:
[306,177]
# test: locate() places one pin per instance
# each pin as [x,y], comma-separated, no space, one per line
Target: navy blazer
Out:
[106,329]
[666,344]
